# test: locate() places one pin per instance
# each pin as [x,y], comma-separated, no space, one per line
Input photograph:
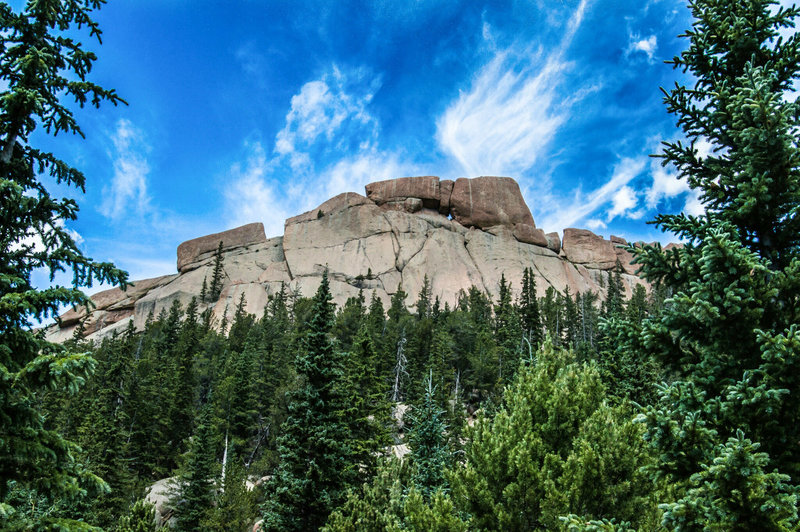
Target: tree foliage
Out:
[41,67]
[315,456]
[728,332]
[553,448]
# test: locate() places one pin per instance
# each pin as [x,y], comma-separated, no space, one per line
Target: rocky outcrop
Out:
[425,188]
[445,192]
[581,246]
[161,495]
[192,251]
[366,243]
[486,201]
[530,235]
[553,242]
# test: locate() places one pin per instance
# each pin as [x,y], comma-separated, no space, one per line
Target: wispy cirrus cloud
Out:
[665,184]
[506,120]
[615,190]
[127,192]
[329,144]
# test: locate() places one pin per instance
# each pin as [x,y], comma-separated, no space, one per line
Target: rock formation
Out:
[458,234]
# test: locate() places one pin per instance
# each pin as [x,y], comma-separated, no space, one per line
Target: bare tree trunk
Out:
[262,435]
[399,368]
[224,459]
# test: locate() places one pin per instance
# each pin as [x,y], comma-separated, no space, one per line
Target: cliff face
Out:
[459,234]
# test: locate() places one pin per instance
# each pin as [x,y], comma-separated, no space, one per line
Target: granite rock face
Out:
[425,188]
[581,246]
[468,237]
[486,201]
[530,235]
[193,250]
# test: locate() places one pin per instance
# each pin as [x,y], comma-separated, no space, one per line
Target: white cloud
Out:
[646,46]
[595,224]
[623,203]
[514,107]
[583,205]
[250,198]
[315,149]
[322,111]
[128,189]
[34,240]
[666,185]
[353,173]
[693,204]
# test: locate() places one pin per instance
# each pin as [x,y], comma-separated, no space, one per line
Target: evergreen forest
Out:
[676,408]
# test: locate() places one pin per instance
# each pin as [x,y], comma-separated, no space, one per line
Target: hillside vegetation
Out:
[673,410]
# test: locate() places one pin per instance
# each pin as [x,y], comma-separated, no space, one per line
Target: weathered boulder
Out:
[553,242]
[160,494]
[114,300]
[581,246]
[240,266]
[487,201]
[412,205]
[530,235]
[425,188]
[192,251]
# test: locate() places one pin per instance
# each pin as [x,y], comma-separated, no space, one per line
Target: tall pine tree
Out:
[315,456]
[41,65]
[726,430]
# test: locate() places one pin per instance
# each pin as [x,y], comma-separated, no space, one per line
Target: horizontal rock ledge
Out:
[191,250]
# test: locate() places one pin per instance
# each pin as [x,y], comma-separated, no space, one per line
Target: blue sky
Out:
[244,111]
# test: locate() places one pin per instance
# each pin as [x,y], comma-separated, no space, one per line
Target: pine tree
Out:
[104,431]
[242,323]
[242,406]
[428,443]
[234,508]
[374,507]
[196,488]
[369,411]
[439,364]
[315,468]
[507,332]
[730,330]
[349,320]
[204,290]
[215,288]
[423,305]
[572,324]
[39,68]
[552,309]
[528,305]
[589,318]
[615,293]
[140,518]
[553,448]
[184,379]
